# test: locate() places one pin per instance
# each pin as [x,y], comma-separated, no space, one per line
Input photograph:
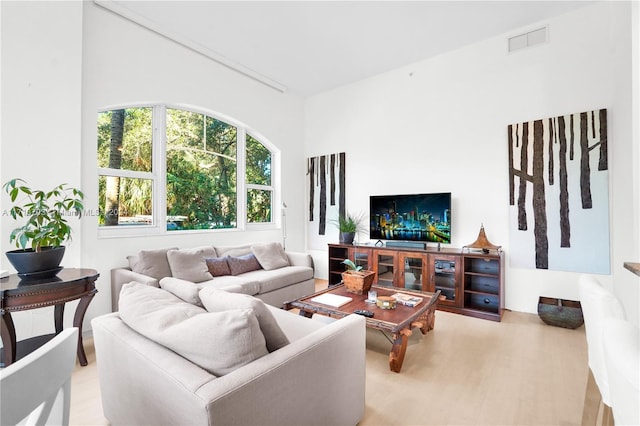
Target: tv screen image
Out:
[411,217]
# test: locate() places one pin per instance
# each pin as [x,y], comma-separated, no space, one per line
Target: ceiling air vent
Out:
[529,39]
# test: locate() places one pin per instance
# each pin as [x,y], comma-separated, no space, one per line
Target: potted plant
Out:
[40,238]
[348,226]
[355,279]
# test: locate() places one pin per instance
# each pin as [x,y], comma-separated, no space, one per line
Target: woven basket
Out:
[358,282]
[560,312]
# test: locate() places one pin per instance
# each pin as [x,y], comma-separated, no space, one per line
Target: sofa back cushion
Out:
[218,342]
[190,264]
[241,264]
[215,300]
[153,263]
[239,250]
[270,256]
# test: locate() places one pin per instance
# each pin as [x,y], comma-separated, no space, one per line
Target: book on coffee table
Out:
[407,299]
[334,300]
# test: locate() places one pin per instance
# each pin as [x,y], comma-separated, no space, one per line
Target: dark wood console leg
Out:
[58,317]
[8,333]
[77,322]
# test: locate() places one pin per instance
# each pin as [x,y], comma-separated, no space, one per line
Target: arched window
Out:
[163,169]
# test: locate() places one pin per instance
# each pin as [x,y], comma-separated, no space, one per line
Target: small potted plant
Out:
[355,279]
[348,226]
[40,238]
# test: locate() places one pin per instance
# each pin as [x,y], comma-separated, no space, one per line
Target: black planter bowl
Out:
[42,264]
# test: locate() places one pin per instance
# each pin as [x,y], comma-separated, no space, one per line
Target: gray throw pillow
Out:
[215,300]
[270,256]
[240,265]
[218,266]
[152,263]
[189,264]
[218,342]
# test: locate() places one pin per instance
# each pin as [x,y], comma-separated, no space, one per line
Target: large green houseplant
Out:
[40,238]
[349,225]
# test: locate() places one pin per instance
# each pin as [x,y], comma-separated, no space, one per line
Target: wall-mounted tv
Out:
[411,217]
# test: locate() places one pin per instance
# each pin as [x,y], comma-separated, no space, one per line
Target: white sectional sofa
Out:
[164,361]
[263,270]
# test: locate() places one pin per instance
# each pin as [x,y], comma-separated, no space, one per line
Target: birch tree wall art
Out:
[325,197]
[559,193]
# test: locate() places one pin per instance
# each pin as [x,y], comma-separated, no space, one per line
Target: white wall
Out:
[79,58]
[441,125]
[41,116]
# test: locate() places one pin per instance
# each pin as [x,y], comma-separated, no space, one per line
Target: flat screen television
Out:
[411,217]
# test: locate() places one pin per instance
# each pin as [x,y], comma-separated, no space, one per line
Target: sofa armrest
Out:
[122,276]
[300,259]
[324,372]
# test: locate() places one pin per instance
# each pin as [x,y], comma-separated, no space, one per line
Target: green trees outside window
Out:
[258,178]
[199,177]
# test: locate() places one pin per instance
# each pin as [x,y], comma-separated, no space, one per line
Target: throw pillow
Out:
[218,342]
[215,300]
[185,290]
[242,264]
[270,256]
[217,266]
[189,264]
[152,263]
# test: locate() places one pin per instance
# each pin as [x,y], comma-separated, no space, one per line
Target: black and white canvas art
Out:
[325,198]
[559,193]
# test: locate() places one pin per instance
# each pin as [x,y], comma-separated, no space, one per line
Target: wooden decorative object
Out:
[358,282]
[482,243]
[560,312]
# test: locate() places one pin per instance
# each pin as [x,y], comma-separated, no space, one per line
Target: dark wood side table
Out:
[17,294]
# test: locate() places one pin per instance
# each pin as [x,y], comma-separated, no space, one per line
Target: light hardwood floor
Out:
[466,371]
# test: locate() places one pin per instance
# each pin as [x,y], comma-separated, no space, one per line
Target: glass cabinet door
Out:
[361,257]
[444,277]
[413,267]
[385,267]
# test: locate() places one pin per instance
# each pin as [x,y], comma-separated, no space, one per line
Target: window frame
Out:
[158,175]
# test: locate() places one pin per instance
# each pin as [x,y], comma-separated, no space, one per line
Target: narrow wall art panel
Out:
[559,193]
[325,198]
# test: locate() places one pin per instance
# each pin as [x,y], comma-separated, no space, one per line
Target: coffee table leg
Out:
[399,348]
[305,313]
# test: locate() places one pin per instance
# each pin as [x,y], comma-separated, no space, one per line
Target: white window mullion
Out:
[277,208]
[241,190]
[160,167]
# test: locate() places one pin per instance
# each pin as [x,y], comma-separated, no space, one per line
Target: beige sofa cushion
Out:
[190,264]
[153,263]
[218,342]
[185,290]
[270,256]
[215,300]
[239,284]
[279,278]
[239,250]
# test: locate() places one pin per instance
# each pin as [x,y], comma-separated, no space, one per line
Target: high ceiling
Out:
[307,47]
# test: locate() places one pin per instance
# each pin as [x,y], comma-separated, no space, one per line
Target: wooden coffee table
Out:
[398,321]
